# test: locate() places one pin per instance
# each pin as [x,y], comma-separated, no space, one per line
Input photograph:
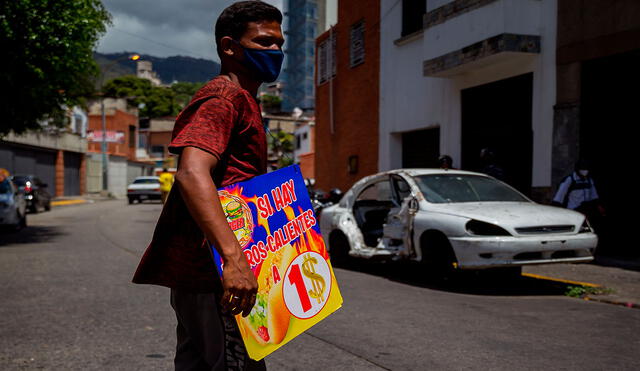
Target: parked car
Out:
[35,192]
[452,219]
[144,188]
[13,207]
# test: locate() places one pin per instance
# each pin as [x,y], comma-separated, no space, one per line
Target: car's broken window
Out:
[438,188]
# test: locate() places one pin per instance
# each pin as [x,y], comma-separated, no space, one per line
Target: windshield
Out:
[20,180]
[445,188]
[146,181]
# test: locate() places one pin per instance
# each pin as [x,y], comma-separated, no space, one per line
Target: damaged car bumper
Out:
[485,252]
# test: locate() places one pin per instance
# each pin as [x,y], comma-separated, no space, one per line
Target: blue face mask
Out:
[266,63]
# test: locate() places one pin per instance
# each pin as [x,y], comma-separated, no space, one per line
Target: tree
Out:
[155,101]
[47,52]
[281,144]
[184,91]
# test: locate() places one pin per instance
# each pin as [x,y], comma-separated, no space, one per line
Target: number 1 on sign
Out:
[295,278]
[308,277]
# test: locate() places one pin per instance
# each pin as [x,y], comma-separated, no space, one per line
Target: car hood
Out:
[511,214]
[143,186]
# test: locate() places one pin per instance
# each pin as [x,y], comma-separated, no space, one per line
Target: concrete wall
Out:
[117,180]
[94,173]
[410,101]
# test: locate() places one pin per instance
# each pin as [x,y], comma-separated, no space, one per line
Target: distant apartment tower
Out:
[306,19]
[144,70]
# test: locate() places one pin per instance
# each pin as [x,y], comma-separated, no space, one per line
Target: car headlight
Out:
[479,228]
[586,227]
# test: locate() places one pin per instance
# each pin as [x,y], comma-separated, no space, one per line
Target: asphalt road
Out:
[68,304]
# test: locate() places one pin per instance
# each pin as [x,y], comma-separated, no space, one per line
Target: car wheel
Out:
[33,208]
[338,249]
[130,200]
[438,257]
[47,206]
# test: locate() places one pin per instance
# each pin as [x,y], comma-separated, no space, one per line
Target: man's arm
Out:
[201,197]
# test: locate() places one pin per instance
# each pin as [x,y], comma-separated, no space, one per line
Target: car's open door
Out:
[398,229]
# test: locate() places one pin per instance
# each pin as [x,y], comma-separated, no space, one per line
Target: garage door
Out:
[27,160]
[72,173]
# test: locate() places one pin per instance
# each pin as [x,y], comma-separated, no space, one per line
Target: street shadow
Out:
[622,262]
[28,235]
[477,282]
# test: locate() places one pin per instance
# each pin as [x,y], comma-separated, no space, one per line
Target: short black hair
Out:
[234,19]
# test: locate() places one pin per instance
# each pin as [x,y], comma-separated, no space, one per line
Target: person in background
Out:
[446,162]
[166,181]
[490,165]
[4,181]
[577,191]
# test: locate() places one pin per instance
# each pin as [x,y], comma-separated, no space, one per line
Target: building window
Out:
[357,44]
[412,13]
[327,59]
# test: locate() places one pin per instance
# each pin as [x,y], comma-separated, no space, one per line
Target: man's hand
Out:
[201,197]
[240,286]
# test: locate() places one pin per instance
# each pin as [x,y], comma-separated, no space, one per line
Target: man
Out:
[221,140]
[166,182]
[577,191]
[5,187]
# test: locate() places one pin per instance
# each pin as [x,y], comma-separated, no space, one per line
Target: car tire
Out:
[47,206]
[130,200]
[339,249]
[438,257]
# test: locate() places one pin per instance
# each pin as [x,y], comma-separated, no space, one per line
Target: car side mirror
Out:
[414,205]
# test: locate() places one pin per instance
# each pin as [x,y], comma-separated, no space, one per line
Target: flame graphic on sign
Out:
[311,240]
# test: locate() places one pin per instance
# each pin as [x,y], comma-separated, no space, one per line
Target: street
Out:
[68,304]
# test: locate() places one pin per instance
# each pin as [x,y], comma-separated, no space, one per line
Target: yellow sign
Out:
[272,218]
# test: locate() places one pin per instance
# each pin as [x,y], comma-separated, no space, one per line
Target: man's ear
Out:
[228,46]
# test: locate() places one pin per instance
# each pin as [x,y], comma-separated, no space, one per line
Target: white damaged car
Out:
[452,219]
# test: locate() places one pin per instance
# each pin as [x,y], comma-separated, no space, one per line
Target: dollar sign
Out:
[309,270]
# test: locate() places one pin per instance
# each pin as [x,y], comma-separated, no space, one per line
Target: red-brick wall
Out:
[120,121]
[355,102]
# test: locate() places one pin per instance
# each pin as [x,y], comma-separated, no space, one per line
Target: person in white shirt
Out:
[577,191]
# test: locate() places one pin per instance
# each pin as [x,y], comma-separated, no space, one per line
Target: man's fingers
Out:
[250,303]
[226,300]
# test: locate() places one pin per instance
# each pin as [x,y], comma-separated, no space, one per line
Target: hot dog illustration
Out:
[269,319]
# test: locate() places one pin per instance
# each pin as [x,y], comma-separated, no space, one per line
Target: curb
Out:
[614,302]
[67,202]
[625,304]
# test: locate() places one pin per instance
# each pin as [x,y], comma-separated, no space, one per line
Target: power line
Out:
[162,44]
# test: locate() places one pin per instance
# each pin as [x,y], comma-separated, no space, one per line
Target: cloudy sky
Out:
[164,27]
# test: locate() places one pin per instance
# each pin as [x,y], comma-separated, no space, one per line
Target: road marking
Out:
[67,202]
[580,283]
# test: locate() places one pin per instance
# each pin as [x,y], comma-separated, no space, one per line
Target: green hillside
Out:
[169,69]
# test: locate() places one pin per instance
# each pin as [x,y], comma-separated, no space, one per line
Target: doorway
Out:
[609,110]
[421,148]
[498,116]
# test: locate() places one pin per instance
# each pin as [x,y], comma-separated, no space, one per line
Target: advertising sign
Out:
[110,137]
[272,218]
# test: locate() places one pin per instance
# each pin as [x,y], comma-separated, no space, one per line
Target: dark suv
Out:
[35,192]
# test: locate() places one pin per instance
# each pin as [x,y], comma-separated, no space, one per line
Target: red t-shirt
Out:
[224,120]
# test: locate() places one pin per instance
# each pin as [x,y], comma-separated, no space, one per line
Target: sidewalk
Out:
[617,283]
[75,200]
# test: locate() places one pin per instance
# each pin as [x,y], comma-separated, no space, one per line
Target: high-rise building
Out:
[305,20]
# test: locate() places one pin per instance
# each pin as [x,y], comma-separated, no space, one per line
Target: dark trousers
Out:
[207,339]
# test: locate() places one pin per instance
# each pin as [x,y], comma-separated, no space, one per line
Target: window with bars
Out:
[357,44]
[327,59]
